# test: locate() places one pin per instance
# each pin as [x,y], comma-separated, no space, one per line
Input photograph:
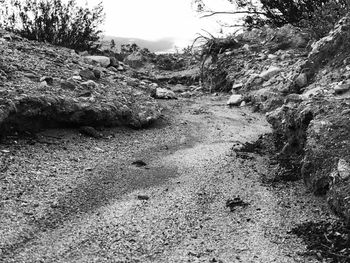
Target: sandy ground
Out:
[69,198]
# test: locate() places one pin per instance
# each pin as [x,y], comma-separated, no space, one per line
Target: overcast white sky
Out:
[156,19]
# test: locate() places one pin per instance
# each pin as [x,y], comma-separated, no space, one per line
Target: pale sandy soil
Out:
[68,198]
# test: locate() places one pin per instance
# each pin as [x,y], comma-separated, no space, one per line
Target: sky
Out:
[158,19]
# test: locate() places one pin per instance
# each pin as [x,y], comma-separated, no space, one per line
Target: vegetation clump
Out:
[53,21]
[318,17]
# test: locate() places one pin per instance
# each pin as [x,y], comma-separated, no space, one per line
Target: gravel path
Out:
[69,198]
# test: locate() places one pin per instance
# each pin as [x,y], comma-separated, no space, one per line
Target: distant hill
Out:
[161,45]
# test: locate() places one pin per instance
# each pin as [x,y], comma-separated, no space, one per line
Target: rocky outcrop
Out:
[188,76]
[32,113]
[318,127]
[48,86]
[102,60]
[162,93]
[135,60]
[324,51]
[305,92]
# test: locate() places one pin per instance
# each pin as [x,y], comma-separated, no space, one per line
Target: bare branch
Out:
[233,13]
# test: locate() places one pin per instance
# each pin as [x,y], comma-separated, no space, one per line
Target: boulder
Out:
[179,88]
[272,71]
[87,74]
[68,85]
[102,60]
[342,88]
[301,80]
[48,80]
[97,73]
[90,84]
[135,60]
[235,100]
[237,86]
[114,62]
[165,94]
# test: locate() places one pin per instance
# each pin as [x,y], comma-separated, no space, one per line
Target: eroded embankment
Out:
[32,113]
[48,86]
[305,90]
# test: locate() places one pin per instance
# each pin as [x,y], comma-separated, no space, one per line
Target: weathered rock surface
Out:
[185,77]
[44,86]
[135,60]
[102,60]
[268,74]
[162,93]
[306,97]
[319,127]
[235,100]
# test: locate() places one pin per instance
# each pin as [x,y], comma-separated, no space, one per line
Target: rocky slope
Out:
[44,85]
[304,89]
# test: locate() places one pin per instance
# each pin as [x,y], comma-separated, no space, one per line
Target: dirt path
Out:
[68,198]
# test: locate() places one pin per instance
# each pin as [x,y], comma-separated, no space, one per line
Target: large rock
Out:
[235,100]
[272,71]
[102,60]
[135,60]
[165,94]
[87,74]
[301,80]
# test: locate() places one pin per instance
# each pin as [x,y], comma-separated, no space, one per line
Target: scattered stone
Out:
[341,89]
[113,62]
[165,94]
[68,85]
[179,88]
[262,57]
[272,56]
[301,80]
[85,94]
[90,132]
[235,100]
[43,84]
[48,80]
[236,201]
[237,86]
[143,197]
[139,163]
[186,94]
[84,53]
[343,169]
[268,74]
[30,75]
[312,93]
[246,47]
[102,60]
[97,73]
[90,84]
[87,74]
[77,78]
[135,60]
[293,98]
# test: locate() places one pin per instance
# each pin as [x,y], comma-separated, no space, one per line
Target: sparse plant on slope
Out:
[64,24]
[318,17]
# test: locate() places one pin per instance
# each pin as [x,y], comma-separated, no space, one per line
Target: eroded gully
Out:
[190,173]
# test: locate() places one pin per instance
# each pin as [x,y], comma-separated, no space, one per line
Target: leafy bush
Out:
[52,21]
[316,16]
[324,18]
